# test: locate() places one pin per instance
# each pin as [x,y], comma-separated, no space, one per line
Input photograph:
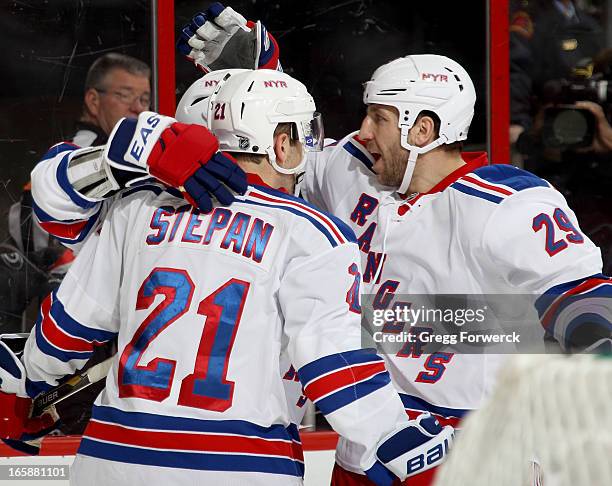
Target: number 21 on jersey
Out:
[207,387]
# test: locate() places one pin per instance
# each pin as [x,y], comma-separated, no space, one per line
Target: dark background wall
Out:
[332,46]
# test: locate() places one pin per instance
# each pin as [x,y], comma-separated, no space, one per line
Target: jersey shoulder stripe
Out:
[336,232]
[508,177]
[357,150]
[496,183]
[472,191]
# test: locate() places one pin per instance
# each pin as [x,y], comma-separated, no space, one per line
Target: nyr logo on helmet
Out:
[275,84]
[209,83]
[434,77]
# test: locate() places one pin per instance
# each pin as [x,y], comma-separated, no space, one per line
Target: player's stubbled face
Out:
[380,131]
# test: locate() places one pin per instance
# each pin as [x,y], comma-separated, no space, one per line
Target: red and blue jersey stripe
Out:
[69,231]
[593,294]
[190,443]
[334,230]
[339,379]
[354,147]
[62,337]
[495,183]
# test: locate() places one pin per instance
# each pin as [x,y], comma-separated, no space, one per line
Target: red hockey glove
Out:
[180,155]
[20,431]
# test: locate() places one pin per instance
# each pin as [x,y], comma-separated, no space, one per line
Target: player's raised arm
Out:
[70,185]
[221,38]
[534,242]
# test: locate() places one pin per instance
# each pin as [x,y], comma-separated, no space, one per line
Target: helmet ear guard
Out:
[246,109]
[418,83]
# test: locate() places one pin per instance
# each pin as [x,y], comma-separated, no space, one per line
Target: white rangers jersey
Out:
[72,218]
[482,230]
[203,307]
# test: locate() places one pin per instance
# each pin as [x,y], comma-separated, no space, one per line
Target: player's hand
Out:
[180,155]
[18,429]
[602,142]
[415,448]
[221,38]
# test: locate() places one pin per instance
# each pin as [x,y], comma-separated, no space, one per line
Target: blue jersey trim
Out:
[352,393]
[508,175]
[415,403]
[84,232]
[58,149]
[163,422]
[47,348]
[73,327]
[191,460]
[34,388]
[345,229]
[62,180]
[470,191]
[358,154]
[324,365]
[547,298]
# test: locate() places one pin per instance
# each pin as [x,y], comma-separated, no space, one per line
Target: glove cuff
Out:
[90,175]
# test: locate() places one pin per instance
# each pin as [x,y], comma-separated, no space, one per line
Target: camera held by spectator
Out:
[568,123]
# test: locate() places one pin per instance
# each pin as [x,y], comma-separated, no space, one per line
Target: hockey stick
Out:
[73,385]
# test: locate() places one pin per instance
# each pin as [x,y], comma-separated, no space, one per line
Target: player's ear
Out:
[92,101]
[423,131]
[282,142]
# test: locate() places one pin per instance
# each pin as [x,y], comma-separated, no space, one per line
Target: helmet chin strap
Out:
[295,170]
[413,153]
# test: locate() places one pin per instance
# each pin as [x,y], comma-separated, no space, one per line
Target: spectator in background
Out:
[547,40]
[116,86]
[555,44]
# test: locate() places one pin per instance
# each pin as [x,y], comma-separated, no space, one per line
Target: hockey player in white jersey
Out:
[203,305]
[432,220]
[461,227]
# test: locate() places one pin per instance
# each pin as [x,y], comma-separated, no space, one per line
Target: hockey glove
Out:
[417,447]
[179,155]
[17,428]
[221,38]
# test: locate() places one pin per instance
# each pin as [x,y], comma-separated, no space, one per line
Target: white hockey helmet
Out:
[193,106]
[247,107]
[424,82]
